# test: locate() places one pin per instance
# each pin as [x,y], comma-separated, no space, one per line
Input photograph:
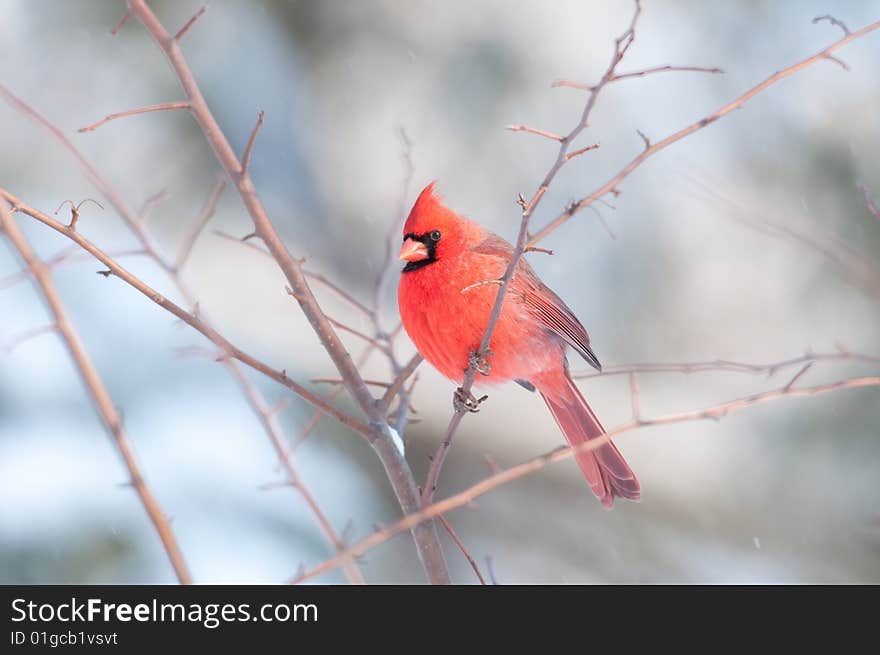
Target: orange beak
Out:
[413,251]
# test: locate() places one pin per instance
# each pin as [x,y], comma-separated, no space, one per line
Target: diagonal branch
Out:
[650,150]
[564,452]
[380,434]
[204,218]
[134,112]
[96,389]
[187,317]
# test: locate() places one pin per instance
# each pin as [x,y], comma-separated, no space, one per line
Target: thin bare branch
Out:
[577,153]
[129,216]
[728,365]
[98,392]
[506,476]
[461,547]
[246,160]
[533,130]
[360,335]
[122,21]
[401,379]
[205,215]
[183,30]
[639,73]
[612,184]
[268,419]
[187,317]
[27,335]
[132,112]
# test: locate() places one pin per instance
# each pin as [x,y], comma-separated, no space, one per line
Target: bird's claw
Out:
[466,401]
[479,362]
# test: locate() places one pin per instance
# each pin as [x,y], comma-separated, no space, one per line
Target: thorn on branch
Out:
[837,60]
[74,211]
[645,139]
[183,30]
[546,251]
[250,144]
[105,273]
[834,21]
[521,201]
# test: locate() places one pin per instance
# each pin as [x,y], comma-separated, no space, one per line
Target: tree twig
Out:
[506,476]
[654,148]
[133,112]
[187,317]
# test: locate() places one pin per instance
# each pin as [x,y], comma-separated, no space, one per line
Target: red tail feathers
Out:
[604,467]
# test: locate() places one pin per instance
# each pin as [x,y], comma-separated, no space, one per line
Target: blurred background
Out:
[748,241]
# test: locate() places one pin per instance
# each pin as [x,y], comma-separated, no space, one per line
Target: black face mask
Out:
[429,239]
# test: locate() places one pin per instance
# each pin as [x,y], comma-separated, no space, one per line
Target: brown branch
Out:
[133,112]
[401,378]
[129,216]
[727,365]
[468,495]
[122,21]
[577,153]
[639,73]
[187,317]
[136,224]
[461,547]
[205,215]
[294,479]
[532,130]
[27,335]
[246,159]
[98,392]
[381,438]
[737,103]
[183,30]
[316,417]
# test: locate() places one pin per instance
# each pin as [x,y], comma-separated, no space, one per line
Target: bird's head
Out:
[432,232]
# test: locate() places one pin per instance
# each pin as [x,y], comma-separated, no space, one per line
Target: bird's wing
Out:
[543,303]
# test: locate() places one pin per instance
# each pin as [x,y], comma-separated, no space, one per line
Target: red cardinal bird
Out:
[445,310]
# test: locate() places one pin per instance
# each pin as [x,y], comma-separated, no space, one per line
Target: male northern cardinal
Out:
[445,297]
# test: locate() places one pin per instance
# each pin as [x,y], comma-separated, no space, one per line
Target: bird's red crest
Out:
[425,212]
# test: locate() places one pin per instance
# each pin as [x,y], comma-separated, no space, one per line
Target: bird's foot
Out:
[479,362]
[466,401]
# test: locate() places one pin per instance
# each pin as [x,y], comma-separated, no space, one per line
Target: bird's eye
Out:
[435,235]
